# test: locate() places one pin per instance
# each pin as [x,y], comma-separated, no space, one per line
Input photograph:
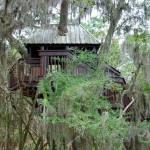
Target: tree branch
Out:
[18,46]
[129,105]
[130,89]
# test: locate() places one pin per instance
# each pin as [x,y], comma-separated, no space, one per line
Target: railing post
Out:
[43,64]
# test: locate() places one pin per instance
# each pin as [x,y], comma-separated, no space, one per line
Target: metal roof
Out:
[77,34]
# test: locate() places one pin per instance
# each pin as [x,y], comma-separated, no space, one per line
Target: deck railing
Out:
[26,73]
[22,73]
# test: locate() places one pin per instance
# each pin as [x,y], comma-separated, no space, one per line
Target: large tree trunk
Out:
[62,27]
[106,45]
[115,13]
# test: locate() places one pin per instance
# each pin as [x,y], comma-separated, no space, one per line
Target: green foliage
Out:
[140,38]
[143,84]
[143,130]
[113,57]
[28,145]
[95,26]
[87,2]
[78,100]
[13,55]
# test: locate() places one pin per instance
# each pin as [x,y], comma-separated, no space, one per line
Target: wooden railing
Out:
[80,69]
[22,73]
[25,73]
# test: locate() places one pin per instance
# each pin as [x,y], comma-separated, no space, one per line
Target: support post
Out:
[43,64]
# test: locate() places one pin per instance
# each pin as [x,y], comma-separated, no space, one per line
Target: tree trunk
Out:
[115,15]
[106,45]
[62,27]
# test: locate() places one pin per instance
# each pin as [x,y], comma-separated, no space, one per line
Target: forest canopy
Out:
[76,114]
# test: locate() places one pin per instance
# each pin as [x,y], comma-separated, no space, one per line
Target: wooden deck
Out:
[23,75]
[26,74]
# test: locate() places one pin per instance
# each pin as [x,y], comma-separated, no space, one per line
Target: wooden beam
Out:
[54,53]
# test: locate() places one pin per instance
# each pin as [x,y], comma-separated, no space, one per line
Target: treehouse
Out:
[43,47]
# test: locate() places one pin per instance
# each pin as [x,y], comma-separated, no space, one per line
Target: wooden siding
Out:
[34,72]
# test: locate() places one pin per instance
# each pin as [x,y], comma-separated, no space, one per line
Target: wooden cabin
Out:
[43,47]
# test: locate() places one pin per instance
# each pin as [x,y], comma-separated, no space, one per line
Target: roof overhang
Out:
[76,35]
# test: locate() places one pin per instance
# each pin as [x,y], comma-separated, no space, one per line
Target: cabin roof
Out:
[77,34]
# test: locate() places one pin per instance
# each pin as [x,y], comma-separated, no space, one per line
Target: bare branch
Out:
[129,105]
[130,89]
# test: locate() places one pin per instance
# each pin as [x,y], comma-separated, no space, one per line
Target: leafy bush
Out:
[79,103]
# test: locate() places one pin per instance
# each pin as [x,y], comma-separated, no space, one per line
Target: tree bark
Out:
[62,27]
[115,15]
